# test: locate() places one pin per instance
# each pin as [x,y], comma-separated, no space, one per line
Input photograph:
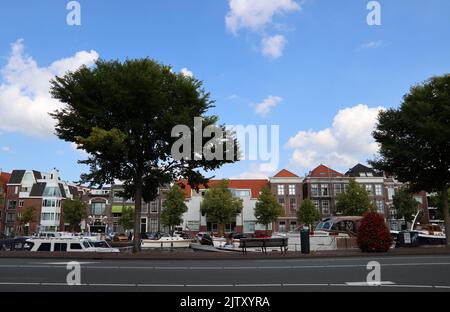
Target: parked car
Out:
[120,238]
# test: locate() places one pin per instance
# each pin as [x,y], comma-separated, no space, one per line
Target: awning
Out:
[119,208]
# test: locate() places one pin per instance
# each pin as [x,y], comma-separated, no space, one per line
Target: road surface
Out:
[414,273]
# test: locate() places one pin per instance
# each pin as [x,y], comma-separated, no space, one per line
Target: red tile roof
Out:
[4,177]
[324,171]
[285,174]
[254,185]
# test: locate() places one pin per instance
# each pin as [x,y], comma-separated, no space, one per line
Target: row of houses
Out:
[46,192]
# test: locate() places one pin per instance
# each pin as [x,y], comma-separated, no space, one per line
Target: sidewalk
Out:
[190,255]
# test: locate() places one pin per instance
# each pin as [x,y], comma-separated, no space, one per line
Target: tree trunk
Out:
[137,214]
[221,230]
[446,215]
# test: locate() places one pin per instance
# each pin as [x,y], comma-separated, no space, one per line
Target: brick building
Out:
[4,178]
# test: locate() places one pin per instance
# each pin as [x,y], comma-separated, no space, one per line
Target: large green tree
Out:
[415,140]
[74,211]
[221,206]
[355,201]
[126,220]
[405,204]
[28,216]
[436,201]
[308,214]
[140,123]
[267,208]
[174,207]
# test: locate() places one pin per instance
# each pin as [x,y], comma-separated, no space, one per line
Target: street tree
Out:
[220,206]
[28,216]
[136,120]
[415,140]
[126,220]
[354,202]
[435,200]
[307,214]
[406,205]
[267,208]
[74,212]
[174,206]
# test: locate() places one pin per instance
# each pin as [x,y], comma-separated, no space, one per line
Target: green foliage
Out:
[308,214]
[354,202]
[174,207]
[220,205]
[126,220]
[437,201]
[415,140]
[74,211]
[123,114]
[267,209]
[405,205]
[28,216]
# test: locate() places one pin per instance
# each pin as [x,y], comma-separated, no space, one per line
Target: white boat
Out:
[66,245]
[166,242]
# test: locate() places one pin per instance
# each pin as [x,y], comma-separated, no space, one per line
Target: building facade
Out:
[4,178]
[43,191]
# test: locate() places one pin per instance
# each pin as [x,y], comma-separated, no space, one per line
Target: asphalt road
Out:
[419,273]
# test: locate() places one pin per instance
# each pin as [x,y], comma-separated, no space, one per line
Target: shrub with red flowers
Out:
[373,233]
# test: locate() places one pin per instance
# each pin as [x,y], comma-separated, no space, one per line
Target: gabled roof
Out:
[73,190]
[16,176]
[364,170]
[323,171]
[285,174]
[38,189]
[254,185]
[37,175]
[63,191]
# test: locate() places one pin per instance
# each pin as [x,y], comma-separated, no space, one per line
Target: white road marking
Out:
[304,285]
[369,284]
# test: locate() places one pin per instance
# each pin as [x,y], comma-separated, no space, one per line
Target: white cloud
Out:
[187,73]
[348,141]
[371,45]
[273,46]
[264,108]
[74,147]
[257,171]
[256,14]
[24,93]
[6,149]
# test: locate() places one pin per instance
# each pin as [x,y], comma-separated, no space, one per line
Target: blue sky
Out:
[328,69]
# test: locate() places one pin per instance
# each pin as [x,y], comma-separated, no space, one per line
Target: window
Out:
[346,188]
[12,204]
[154,225]
[281,200]
[230,227]
[21,202]
[316,204]
[293,226]
[369,189]
[293,204]
[326,207]
[98,209]
[10,217]
[242,193]
[281,190]
[380,206]
[291,189]
[249,226]
[393,213]
[391,193]
[45,216]
[337,189]
[44,247]
[282,227]
[144,207]
[25,189]
[325,190]
[143,225]
[51,203]
[314,190]
[75,246]
[154,207]
[379,190]
[60,247]
[211,227]
[193,225]
[52,192]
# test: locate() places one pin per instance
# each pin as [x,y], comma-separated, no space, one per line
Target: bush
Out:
[373,233]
